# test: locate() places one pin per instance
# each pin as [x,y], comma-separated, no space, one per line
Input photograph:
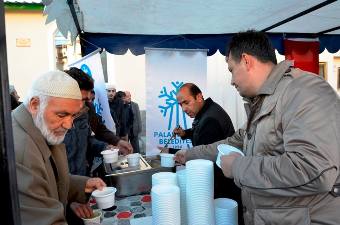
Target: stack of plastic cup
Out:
[181,178]
[200,192]
[165,205]
[164,178]
[226,211]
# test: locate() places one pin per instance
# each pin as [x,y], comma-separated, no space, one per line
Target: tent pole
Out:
[318,6]
[9,213]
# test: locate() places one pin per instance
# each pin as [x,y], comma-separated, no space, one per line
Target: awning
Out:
[120,25]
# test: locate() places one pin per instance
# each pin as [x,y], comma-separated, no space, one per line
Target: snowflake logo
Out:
[171,105]
[86,69]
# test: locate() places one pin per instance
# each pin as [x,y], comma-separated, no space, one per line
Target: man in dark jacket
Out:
[81,145]
[136,127]
[211,124]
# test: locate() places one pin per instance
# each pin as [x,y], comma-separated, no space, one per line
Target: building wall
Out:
[332,67]
[26,63]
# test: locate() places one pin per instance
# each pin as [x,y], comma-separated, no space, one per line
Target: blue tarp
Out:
[119,43]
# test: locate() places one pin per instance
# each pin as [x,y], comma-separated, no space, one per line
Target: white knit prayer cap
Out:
[57,84]
[110,86]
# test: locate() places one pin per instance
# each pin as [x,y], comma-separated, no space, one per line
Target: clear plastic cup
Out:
[167,160]
[133,159]
[95,219]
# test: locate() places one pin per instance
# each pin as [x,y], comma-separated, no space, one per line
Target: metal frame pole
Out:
[10,213]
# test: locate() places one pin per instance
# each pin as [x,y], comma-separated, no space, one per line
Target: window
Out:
[323,70]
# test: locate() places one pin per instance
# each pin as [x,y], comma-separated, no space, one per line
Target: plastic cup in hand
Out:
[95,219]
[167,160]
[224,149]
[110,155]
[105,198]
[133,159]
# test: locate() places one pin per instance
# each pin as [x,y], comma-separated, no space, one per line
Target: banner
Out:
[92,65]
[166,71]
[304,53]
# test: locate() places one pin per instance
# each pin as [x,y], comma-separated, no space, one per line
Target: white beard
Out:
[40,123]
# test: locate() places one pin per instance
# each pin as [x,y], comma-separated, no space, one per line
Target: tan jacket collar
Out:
[274,77]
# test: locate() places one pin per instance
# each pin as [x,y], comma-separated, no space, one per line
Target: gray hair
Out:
[43,99]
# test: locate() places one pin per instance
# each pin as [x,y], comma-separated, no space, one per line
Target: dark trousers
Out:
[135,143]
[226,188]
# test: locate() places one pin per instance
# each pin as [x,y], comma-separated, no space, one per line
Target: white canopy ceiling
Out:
[169,17]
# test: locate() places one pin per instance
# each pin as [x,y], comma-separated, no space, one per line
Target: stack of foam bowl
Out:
[105,198]
[166,178]
[167,160]
[133,159]
[226,211]
[181,178]
[165,205]
[110,155]
[200,192]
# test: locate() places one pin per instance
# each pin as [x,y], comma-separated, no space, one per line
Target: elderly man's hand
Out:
[180,156]
[81,210]
[124,147]
[93,184]
[227,162]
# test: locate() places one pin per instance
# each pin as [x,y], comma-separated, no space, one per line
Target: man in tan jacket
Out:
[291,142]
[39,127]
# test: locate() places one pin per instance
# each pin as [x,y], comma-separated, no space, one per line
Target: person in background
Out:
[14,97]
[136,127]
[120,112]
[113,105]
[290,172]
[39,127]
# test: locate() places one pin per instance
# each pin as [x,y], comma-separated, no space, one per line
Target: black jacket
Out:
[211,124]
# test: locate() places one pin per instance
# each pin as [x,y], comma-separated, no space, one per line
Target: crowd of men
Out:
[289,174]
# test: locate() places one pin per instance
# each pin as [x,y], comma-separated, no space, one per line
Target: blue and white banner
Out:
[166,71]
[92,65]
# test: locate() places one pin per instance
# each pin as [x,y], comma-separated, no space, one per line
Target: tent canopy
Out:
[120,25]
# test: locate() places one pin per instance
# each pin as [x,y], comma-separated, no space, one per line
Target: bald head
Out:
[190,98]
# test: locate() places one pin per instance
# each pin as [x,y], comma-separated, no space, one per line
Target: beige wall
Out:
[26,63]
[332,65]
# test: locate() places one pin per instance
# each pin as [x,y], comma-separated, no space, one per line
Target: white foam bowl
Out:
[105,198]
[110,156]
[167,160]
[133,159]
[224,149]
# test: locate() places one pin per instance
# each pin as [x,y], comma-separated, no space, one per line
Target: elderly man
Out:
[290,172]
[39,127]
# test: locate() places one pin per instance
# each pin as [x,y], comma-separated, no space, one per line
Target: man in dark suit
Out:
[136,127]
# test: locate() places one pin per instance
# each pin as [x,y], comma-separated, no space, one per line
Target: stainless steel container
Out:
[132,180]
